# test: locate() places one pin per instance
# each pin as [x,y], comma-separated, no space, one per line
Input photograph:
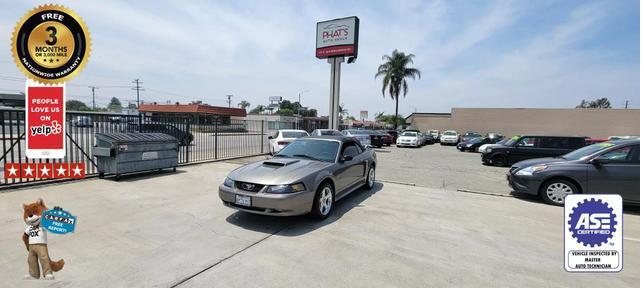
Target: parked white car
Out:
[409,139]
[325,132]
[283,137]
[435,134]
[363,137]
[449,137]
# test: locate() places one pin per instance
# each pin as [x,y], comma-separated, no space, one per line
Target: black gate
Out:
[198,142]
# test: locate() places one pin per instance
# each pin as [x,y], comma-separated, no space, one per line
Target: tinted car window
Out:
[293,134]
[527,142]
[351,150]
[618,155]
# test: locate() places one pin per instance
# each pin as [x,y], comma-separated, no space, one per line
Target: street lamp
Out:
[299,105]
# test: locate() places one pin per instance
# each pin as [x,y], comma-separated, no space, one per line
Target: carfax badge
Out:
[593,233]
[58,221]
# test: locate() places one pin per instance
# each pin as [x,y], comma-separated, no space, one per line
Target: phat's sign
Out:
[45,120]
[337,38]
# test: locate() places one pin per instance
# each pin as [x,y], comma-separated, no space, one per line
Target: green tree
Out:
[602,103]
[395,71]
[285,111]
[391,119]
[75,105]
[244,104]
[257,110]
[312,113]
[114,104]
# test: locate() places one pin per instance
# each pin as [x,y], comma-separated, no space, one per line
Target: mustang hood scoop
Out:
[280,162]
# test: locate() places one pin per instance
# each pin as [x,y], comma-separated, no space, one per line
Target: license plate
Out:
[243,200]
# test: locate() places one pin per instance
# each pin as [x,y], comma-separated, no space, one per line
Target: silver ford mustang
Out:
[307,176]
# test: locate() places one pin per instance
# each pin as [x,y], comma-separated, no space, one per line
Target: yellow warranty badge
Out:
[51,44]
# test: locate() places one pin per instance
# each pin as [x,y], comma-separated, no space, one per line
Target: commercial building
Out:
[12,100]
[199,113]
[275,122]
[595,123]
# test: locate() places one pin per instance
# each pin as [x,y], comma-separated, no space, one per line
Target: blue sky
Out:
[471,53]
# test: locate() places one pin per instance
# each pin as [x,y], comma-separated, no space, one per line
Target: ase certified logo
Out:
[593,233]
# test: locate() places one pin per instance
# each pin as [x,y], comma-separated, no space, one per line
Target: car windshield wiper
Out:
[281,155]
[306,156]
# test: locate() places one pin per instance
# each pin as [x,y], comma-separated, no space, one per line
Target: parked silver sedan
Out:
[307,176]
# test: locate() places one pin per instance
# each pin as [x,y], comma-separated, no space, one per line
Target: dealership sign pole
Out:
[335,40]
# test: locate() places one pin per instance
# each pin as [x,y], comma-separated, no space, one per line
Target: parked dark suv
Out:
[603,168]
[528,147]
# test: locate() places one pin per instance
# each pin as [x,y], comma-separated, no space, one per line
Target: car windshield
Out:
[587,151]
[472,134]
[321,150]
[475,140]
[410,134]
[449,133]
[511,141]
[293,134]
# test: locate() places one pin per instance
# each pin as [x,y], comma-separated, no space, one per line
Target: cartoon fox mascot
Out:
[35,239]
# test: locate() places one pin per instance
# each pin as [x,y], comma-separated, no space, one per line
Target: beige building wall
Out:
[595,123]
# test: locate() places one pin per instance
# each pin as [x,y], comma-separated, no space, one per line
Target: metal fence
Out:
[198,142]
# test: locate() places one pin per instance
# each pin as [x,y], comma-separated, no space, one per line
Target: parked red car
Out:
[388,139]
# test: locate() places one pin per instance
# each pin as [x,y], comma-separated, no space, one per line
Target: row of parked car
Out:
[555,166]
[367,138]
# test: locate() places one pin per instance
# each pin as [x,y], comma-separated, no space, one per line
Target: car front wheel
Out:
[554,191]
[371,178]
[323,201]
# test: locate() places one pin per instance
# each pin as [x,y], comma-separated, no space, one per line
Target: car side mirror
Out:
[346,158]
[599,160]
[270,137]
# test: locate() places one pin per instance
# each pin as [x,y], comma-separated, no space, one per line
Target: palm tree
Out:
[243,104]
[395,70]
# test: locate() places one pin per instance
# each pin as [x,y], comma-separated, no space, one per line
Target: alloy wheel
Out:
[325,201]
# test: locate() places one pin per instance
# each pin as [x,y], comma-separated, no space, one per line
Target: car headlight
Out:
[528,171]
[281,189]
[488,150]
[228,182]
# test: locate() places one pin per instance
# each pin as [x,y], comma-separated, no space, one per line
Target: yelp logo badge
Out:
[46,130]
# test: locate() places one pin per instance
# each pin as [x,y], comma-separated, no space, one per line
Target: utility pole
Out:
[299,105]
[626,104]
[93,97]
[138,89]
[229,99]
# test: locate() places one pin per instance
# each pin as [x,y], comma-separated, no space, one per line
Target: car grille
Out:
[250,187]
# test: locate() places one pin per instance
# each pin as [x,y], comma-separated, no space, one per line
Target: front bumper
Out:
[407,144]
[449,141]
[267,203]
[524,184]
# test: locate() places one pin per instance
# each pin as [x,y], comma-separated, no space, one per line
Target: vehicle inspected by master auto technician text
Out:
[602,168]
[307,176]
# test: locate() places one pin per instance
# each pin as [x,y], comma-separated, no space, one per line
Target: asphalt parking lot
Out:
[441,167]
[171,230]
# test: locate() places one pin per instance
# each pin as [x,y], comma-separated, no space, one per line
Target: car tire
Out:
[499,160]
[554,191]
[323,201]
[371,178]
